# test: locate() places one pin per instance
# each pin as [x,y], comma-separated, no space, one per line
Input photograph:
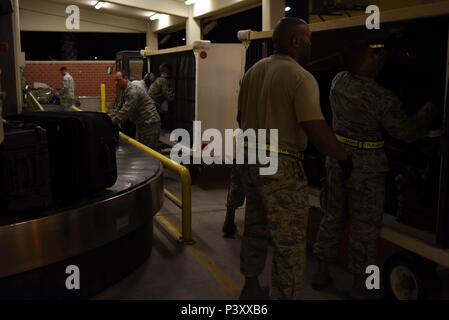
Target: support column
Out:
[9,61]
[18,55]
[152,39]
[272,12]
[193,28]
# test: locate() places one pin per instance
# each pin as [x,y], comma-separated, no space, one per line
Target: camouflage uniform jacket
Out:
[68,87]
[140,83]
[160,90]
[364,110]
[135,105]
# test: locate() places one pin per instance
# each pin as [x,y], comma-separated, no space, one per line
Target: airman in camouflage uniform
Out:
[278,93]
[162,93]
[67,93]
[362,111]
[138,107]
[161,90]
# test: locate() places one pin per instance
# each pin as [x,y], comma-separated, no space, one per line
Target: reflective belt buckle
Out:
[360,144]
[268,147]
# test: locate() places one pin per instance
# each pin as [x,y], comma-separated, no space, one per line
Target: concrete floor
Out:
[209,270]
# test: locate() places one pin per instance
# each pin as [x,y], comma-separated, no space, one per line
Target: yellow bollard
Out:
[103,97]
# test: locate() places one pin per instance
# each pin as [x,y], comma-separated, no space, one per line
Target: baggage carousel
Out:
[97,240]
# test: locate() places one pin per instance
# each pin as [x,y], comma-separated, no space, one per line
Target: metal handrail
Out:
[32,102]
[185,204]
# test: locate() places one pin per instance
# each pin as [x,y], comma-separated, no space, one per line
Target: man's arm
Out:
[167,91]
[65,86]
[129,103]
[323,138]
[403,128]
[117,100]
[310,117]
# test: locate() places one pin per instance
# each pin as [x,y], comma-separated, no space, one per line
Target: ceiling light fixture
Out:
[99,5]
[189,2]
[287,9]
[155,16]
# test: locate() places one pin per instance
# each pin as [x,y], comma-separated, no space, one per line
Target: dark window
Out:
[226,28]
[78,46]
[172,39]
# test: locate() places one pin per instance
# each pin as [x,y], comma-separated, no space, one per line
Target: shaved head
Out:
[363,61]
[292,37]
[121,79]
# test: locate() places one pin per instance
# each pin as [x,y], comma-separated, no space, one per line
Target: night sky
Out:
[48,45]
[103,46]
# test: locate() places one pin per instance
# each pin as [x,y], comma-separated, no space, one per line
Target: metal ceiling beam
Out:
[171,7]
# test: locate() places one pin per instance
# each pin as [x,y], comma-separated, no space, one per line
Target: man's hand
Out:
[346,167]
[430,113]
[323,138]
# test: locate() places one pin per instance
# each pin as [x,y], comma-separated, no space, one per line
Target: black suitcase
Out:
[82,148]
[25,182]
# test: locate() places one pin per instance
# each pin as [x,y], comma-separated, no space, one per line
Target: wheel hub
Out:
[403,283]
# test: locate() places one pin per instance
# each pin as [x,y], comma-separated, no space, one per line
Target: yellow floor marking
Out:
[203,259]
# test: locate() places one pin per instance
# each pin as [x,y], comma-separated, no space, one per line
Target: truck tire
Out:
[409,277]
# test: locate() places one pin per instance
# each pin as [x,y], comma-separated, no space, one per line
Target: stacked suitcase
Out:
[55,155]
[24,168]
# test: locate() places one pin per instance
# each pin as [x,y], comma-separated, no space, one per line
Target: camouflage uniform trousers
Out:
[277,212]
[66,103]
[236,192]
[358,201]
[148,134]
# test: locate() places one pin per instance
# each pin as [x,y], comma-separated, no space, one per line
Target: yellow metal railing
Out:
[32,103]
[185,203]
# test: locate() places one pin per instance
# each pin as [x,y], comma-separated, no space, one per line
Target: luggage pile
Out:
[44,95]
[50,156]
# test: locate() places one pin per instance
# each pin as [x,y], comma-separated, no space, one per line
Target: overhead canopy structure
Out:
[123,15]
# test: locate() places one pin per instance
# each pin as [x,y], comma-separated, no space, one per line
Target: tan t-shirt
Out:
[277,93]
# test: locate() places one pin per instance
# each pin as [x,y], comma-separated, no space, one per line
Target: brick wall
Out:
[88,75]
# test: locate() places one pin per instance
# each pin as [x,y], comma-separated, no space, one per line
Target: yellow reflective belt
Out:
[360,144]
[296,154]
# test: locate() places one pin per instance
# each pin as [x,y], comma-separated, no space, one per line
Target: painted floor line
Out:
[203,259]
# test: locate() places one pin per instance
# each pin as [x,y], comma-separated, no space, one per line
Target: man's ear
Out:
[295,42]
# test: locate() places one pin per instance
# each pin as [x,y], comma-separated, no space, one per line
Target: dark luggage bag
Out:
[82,148]
[25,182]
